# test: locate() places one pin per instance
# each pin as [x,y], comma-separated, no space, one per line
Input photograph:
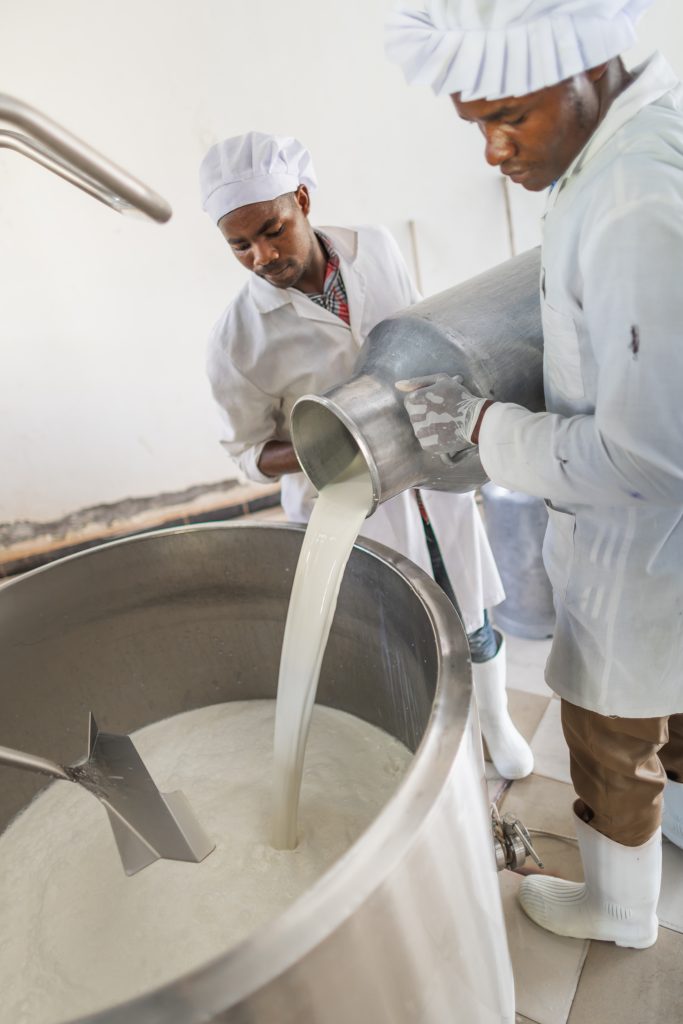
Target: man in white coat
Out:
[557,108]
[296,327]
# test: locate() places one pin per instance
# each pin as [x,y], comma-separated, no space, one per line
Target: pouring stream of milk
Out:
[334,525]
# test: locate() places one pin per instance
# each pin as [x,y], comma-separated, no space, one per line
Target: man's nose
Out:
[264,253]
[499,147]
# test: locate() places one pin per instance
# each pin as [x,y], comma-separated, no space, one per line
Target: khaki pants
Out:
[619,767]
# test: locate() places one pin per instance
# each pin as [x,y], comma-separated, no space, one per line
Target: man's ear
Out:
[596,73]
[303,199]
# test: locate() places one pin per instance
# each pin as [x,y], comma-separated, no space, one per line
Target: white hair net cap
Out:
[252,168]
[487,49]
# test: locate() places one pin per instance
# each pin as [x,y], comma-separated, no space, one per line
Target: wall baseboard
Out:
[27,545]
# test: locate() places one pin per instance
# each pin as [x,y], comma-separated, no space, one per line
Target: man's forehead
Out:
[253,218]
[508,106]
[490,110]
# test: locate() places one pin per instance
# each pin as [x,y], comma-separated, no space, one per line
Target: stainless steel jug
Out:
[487,329]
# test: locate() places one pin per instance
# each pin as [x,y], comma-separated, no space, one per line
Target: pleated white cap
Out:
[252,168]
[487,49]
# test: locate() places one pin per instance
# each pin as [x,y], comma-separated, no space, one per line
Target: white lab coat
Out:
[273,345]
[608,454]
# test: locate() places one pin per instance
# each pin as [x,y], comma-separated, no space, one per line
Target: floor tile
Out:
[546,967]
[519,1019]
[526,663]
[670,908]
[551,755]
[631,986]
[545,804]
[526,711]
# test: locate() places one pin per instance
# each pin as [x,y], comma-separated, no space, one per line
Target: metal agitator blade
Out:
[147,824]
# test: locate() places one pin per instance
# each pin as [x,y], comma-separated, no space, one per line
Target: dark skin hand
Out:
[535,138]
[477,428]
[278,458]
[275,240]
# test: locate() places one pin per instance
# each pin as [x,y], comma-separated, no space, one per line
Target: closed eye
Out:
[275,234]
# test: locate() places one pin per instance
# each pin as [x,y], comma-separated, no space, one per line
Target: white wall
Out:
[104,319]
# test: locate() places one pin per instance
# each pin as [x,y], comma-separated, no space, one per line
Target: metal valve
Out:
[511,840]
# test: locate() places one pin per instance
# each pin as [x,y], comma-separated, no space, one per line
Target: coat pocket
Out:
[562,356]
[558,549]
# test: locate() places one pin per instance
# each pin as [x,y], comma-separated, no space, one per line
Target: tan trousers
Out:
[619,767]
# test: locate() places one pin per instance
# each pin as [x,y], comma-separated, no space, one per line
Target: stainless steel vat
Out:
[407,926]
[487,329]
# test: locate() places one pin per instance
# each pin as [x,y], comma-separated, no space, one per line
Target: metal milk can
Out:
[487,329]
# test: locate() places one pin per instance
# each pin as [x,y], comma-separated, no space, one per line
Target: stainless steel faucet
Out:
[41,139]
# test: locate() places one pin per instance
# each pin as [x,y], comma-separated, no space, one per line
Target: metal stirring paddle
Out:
[146,823]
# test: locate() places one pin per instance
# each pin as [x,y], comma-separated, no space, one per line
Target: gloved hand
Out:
[442,412]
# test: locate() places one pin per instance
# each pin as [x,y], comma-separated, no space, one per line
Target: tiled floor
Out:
[569,981]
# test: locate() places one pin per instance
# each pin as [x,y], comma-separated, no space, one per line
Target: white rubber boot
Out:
[672,815]
[617,903]
[509,751]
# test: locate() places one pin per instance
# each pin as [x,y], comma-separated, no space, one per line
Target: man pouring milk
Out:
[544,83]
[297,325]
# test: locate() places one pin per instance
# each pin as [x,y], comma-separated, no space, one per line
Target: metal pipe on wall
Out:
[49,144]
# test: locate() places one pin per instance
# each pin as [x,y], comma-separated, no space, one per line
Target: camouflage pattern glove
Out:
[442,413]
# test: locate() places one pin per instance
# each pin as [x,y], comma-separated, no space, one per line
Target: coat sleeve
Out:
[630,449]
[247,414]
